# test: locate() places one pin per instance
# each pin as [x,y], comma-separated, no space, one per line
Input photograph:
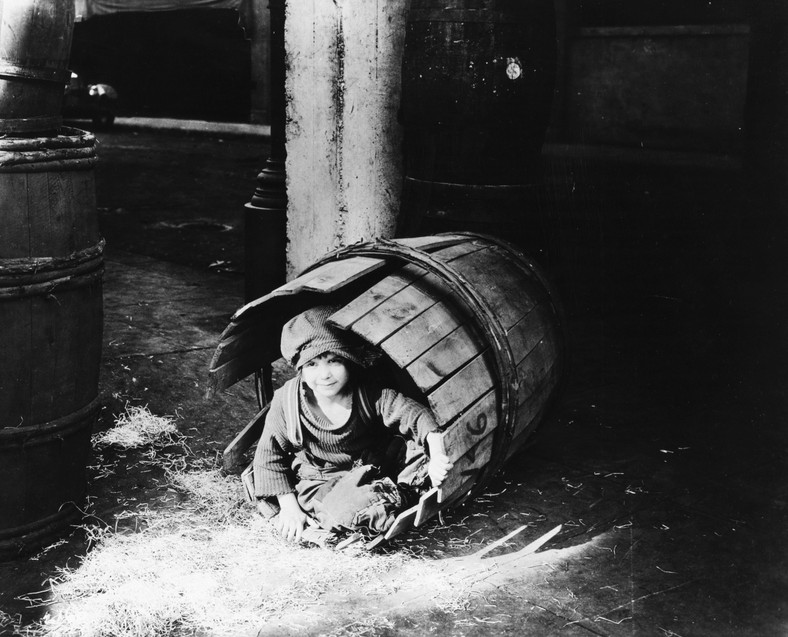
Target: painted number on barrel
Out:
[477,428]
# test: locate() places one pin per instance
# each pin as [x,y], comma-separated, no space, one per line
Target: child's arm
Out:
[273,475]
[416,420]
[291,519]
[439,465]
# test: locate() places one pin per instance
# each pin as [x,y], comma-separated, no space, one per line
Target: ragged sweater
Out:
[327,446]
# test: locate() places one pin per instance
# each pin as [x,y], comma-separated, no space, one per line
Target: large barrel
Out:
[51,266]
[477,90]
[35,45]
[468,324]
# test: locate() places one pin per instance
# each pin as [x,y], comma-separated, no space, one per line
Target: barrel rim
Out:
[66,137]
[44,432]
[35,265]
[56,74]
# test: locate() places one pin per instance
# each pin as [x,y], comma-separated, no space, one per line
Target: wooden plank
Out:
[392,314]
[444,358]
[450,253]
[252,338]
[500,542]
[284,300]
[58,216]
[17,351]
[233,453]
[39,201]
[14,216]
[389,305]
[83,194]
[467,468]
[431,243]
[531,547]
[528,331]
[420,334]
[428,507]
[336,274]
[531,410]
[535,367]
[446,499]
[403,522]
[503,285]
[374,296]
[332,275]
[471,427]
[519,439]
[266,329]
[461,390]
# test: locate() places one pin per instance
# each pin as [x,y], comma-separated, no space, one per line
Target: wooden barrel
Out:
[467,323]
[51,267]
[35,45]
[477,89]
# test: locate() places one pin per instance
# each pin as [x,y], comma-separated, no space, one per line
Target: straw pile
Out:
[137,427]
[209,566]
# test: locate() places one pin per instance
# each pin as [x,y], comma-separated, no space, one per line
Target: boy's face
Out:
[326,375]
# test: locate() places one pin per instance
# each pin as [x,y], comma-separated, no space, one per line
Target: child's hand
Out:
[291,519]
[439,465]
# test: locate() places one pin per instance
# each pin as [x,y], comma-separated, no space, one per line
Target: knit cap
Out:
[308,335]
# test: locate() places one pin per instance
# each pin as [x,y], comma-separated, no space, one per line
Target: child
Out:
[334,447]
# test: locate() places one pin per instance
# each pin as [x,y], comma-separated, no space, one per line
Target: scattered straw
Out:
[9,622]
[137,427]
[206,564]
[210,565]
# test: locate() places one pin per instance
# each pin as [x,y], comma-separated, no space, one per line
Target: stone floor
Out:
[664,459]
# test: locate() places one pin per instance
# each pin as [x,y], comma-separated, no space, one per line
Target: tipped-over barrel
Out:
[467,323]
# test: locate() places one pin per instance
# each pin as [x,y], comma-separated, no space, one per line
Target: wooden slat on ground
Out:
[404,521]
[428,507]
[248,436]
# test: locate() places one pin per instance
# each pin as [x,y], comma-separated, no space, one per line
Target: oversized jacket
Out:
[313,446]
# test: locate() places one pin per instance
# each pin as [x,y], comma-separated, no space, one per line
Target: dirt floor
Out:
[664,460]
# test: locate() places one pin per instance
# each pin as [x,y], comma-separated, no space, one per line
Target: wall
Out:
[663,75]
